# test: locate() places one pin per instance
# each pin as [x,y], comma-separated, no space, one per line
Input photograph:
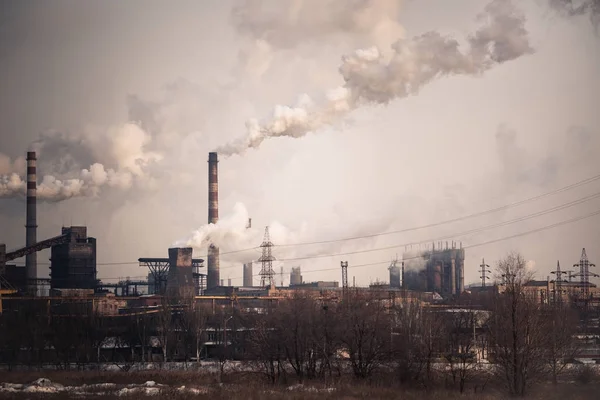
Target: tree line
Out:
[508,337]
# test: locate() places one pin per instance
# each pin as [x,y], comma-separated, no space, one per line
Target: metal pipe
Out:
[31,219]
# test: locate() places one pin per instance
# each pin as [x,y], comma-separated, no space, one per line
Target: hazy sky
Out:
[147,89]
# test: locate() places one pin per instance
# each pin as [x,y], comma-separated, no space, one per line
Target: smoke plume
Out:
[60,154]
[372,79]
[231,234]
[579,7]
[274,26]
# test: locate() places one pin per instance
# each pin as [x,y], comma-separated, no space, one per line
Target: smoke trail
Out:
[61,154]
[369,78]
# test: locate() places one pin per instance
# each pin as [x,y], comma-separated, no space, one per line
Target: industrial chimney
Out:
[31,220]
[213,217]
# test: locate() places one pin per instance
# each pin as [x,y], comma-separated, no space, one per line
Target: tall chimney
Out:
[31,219]
[212,261]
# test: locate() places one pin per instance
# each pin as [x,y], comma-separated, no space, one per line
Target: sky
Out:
[332,122]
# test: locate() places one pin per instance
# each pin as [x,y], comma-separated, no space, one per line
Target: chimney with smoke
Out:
[31,218]
[213,217]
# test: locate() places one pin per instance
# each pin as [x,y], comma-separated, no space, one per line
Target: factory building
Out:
[180,281]
[395,274]
[439,270]
[295,276]
[73,263]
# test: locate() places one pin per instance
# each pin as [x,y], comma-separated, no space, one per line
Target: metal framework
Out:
[44,244]
[267,275]
[558,281]
[483,269]
[159,270]
[585,274]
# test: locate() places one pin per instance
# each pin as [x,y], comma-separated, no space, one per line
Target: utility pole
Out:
[558,290]
[484,271]
[267,275]
[585,274]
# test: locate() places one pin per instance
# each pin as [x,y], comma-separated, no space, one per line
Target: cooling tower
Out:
[180,280]
[31,219]
[212,262]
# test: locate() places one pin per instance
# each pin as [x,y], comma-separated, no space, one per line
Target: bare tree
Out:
[193,323]
[560,325]
[418,341]
[164,325]
[365,334]
[265,347]
[516,329]
[297,324]
[460,353]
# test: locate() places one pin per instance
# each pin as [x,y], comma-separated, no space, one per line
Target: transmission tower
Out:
[484,271]
[281,275]
[267,275]
[558,290]
[584,273]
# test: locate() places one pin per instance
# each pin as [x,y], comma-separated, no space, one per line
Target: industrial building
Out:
[440,270]
[295,276]
[73,263]
[395,274]
[436,271]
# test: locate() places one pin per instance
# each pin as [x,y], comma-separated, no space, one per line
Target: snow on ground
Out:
[45,386]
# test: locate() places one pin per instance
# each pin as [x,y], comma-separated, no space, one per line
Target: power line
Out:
[449,236]
[501,208]
[572,220]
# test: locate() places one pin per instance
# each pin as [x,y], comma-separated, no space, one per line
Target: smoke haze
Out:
[125,114]
[370,78]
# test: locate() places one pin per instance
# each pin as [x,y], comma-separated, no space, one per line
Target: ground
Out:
[245,385]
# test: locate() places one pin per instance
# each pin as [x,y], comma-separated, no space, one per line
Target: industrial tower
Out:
[483,269]
[267,275]
[584,274]
[558,290]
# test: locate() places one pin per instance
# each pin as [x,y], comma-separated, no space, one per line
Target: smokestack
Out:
[248,275]
[31,219]
[212,262]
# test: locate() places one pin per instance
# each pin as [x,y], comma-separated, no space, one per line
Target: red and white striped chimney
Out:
[212,261]
[31,218]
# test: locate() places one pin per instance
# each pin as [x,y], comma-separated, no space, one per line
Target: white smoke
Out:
[372,78]
[285,24]
[272,26]
[231,234]
[122,147]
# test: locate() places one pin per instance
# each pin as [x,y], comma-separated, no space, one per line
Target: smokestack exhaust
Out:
[31,219]
[212,261]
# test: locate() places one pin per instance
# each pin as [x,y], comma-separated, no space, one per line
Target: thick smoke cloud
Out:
[122,149]
[269,27]
[579,7]
[371,78]
[285,24]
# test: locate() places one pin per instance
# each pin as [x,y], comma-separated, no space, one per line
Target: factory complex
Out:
[431,277]
[434,274]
